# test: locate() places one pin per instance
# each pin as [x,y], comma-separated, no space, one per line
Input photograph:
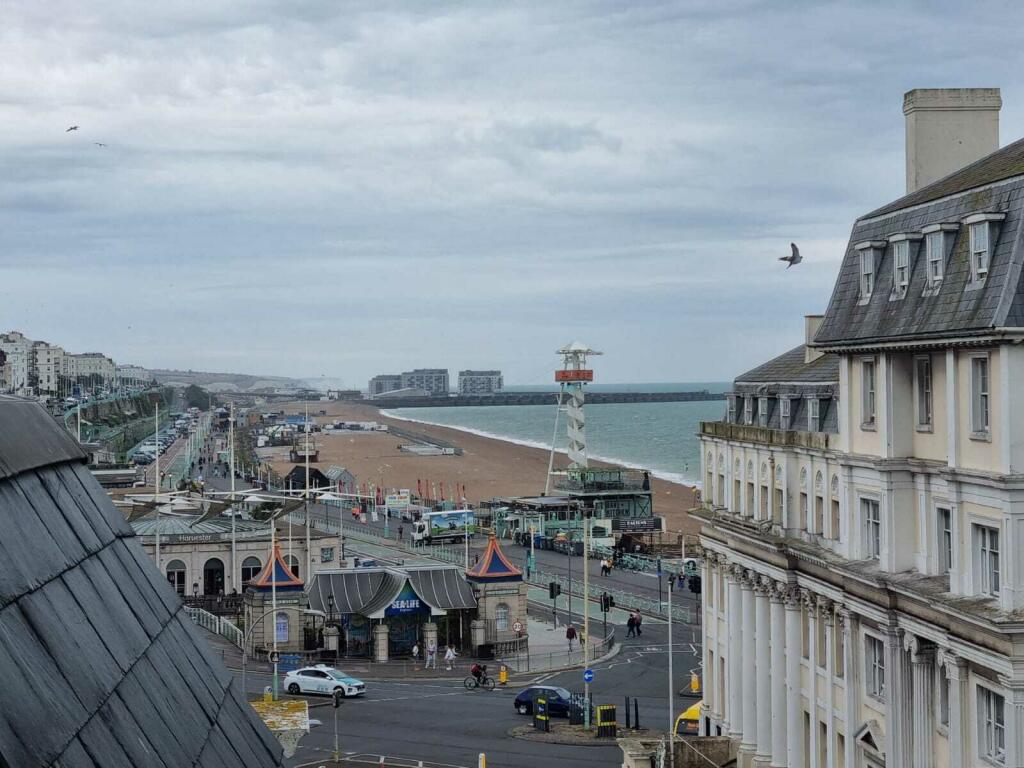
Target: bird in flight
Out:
[99,144]
[72,128]
[793,258]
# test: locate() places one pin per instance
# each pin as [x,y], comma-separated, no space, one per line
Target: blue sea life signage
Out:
[406,602]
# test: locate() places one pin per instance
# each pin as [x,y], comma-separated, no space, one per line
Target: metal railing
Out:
[216,624]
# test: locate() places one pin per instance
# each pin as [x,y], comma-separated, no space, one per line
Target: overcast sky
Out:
[332,189]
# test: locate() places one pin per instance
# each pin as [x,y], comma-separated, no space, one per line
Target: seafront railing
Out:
[216,624]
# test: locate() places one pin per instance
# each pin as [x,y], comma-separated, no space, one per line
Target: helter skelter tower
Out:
[573,375]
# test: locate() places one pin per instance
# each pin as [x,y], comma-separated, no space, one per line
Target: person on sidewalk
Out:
[570,635]
[415,652]
[431,656]
[449,658]
[401,532]
[631,626]
[639,621]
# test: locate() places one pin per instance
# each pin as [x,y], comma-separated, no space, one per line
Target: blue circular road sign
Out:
[588,675]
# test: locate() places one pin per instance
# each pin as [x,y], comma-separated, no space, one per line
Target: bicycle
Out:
[485,682]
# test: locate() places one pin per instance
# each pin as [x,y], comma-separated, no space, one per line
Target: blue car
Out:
[559,700]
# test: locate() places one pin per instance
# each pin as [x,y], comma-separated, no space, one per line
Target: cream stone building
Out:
[863,506]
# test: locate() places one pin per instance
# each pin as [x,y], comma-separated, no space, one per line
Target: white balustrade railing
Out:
[216,624]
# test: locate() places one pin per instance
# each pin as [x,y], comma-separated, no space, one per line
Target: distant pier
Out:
[541,398]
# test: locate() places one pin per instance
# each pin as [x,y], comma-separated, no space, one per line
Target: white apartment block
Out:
[480,382]
[863,503]
[17,351]
[133,375]
[46,368]
[90,364]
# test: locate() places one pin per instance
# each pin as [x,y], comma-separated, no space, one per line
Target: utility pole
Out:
[309,558]
[231,433]
[586,619]
[671,691]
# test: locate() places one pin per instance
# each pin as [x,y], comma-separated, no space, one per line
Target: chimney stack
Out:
[948,128]
[811,325]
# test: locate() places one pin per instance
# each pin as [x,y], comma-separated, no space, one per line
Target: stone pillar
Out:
[898,737]
[778,678]
[922,673]
[811,602]
[711,651]
[380,642]
[331,639]
[959,707]
[851,674]
[749,742]
[763,682]
[794,693]
[829,617]
[477,633]
[734,674]
[429,636]
[1014,714]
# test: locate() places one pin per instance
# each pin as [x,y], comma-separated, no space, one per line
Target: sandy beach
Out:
[488,467]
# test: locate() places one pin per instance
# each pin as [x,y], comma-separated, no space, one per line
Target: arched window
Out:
[835,486]
[251,568]
[176,575]
[721,462]
[213,577]
[779,473]
[803,478]
[281,627]
[819,482]
[764,471]
[835,507]
[293,565]
[501,612]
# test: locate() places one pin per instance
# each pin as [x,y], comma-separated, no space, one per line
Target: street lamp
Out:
[245,642]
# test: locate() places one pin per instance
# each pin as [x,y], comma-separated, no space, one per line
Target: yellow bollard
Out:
[503,675]
[694,682]
[482,761]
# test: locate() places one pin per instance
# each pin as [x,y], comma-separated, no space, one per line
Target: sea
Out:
[661,437]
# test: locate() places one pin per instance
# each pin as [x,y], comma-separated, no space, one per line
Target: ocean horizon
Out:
[661,437]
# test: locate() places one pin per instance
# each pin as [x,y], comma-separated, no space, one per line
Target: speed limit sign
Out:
[517,626]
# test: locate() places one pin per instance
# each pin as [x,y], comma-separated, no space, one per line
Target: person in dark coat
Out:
[631,626]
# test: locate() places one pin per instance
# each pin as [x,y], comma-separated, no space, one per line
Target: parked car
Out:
[688,722]
[559,700]
[323,679]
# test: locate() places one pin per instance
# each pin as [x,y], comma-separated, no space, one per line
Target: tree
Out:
[197,397]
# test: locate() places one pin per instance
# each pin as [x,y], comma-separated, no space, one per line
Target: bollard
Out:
[481,761]
[503,675]
[636,714]
[540,714]
[627,712]
[606,723]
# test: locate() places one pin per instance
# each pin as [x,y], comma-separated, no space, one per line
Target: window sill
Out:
[867,426]
[898,294]
[975,285]
[925,428]
[864,300]
[981,437]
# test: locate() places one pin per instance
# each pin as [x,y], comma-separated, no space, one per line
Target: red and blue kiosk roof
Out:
[276,574]
[493,565]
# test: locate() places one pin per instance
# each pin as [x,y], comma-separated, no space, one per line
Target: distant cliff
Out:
[226,382]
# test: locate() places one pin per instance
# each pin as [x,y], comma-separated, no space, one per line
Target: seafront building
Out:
[862,515]
[480,382]
[32,367]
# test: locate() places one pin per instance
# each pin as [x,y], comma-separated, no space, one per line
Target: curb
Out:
[529,733]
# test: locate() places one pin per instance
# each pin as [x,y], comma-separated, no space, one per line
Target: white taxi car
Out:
[323,679]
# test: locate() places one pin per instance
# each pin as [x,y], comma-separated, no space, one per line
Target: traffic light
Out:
[695,584]
[554,589]
[607,602]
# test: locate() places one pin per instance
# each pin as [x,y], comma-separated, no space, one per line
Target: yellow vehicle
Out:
[688,722]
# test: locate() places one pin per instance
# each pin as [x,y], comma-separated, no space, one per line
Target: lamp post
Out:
[245,643]
[671,691]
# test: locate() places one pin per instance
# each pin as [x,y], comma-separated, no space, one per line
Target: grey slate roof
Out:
[789,367]
[368,591]
[100,665]
[954,310]
[442,587]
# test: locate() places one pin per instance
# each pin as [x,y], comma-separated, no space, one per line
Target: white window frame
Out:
[731,409]
[748,409]
[784,412]
[980,250]
[923,392]
[991,724]
[944,538]
[868,392]
[871,526]
[813,414]
[762,411]
[874,667]
[981,396]
[985,543]
[867,273]
[935,252]
[901,266]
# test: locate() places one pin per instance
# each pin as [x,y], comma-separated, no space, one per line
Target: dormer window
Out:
[901,264]
[784,412]
[813,414]
[981,228]
[748,410]
[762,411]
[868,252]
[731,416]
[937,241]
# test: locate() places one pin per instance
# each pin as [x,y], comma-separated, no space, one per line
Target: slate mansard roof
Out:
[790,368]
[994,184]
[101,667]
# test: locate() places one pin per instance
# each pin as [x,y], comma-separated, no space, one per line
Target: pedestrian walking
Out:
[449,658]
[431,656]
[401,531]
[631,626]
[415,652]
[570,635]
[639,621]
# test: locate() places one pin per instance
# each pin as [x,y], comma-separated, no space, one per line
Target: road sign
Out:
[588,676]
[517,626]
[275,656]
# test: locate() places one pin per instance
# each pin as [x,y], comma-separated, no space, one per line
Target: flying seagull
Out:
[72,128]
[793,258]
[99,144]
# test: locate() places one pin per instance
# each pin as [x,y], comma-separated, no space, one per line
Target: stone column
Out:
[710,650]
[734,674]
[851,676]
[959,707]
[429,637]
[380,642]
[794,692]
[922,673]
[778,678]
[898,741]
[811,602]
[749,742]
[764,692]
[1014,715]
[829,617]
